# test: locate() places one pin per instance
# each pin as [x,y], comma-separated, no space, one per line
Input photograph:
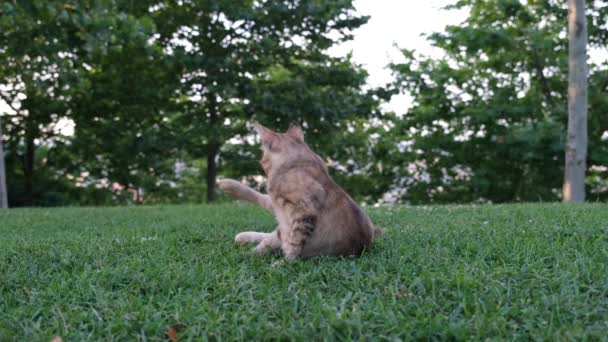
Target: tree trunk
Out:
[212,151]
[576,145]
[213,148]
[28,166]
[3,190]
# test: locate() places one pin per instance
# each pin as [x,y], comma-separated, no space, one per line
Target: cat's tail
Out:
[378,232]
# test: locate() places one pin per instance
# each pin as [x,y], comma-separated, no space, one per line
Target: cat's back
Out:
[343,228]
[298,179]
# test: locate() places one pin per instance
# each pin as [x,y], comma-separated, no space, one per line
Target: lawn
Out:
[532,271]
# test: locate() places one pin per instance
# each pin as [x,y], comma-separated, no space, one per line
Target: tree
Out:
[488,118]
[224,47]
[576,146]
[152,83]
[75,61]
[42,43]
[32,82]
[121,106]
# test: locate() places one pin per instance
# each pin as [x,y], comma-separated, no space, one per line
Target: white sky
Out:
[400,22]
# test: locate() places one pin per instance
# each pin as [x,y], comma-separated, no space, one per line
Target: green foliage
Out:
[64,60]
[34,73]
[150,84]
[488,120]
[243,60]
[525,272]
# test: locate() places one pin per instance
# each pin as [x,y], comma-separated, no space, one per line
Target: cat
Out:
[315,216]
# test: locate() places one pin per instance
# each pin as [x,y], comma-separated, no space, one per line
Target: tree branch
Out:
[546,90]
[9,102]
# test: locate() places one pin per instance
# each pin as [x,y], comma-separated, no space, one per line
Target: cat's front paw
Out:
[242,238]
[291,253]
[291,257]
[261,249]
[228,185]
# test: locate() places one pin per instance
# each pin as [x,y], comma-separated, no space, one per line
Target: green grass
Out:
[456,272]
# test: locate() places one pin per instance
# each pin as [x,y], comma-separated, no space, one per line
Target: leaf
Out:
[172,334]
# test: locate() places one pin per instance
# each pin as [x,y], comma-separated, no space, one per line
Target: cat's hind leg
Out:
[253,237]
[302,228]
[271,243]
[267,242]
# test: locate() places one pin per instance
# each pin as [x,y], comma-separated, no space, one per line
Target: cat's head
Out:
[280,148]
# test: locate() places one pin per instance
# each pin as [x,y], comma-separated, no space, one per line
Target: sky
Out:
[395,23]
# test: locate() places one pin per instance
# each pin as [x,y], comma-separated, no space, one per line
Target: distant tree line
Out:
[160,95]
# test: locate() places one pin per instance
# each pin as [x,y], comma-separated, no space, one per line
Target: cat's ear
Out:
[295,131]
[268,137]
